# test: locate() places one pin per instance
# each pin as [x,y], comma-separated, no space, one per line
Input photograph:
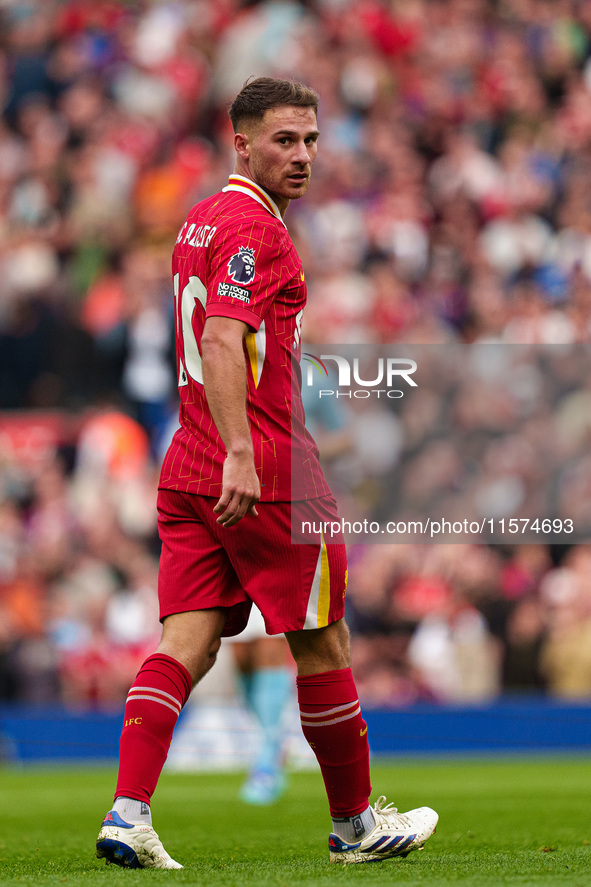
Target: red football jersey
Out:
[234,257]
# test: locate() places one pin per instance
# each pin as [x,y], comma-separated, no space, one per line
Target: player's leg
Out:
[334,727]
[332,722]
[300,590]
[267,683]
[199,597]
[187,651]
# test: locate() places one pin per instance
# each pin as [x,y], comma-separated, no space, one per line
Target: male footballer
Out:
[228,489]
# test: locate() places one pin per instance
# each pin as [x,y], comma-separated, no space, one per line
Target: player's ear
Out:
[242,145]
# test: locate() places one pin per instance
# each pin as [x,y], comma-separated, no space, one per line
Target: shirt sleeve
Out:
[246,272]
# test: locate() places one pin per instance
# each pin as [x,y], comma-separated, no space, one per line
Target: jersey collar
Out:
[247,186]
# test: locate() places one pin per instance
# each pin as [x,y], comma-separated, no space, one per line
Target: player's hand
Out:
[241,490]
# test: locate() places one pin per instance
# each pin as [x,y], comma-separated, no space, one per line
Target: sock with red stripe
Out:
[160,690]
[337,734]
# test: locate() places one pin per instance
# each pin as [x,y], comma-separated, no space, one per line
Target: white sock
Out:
[354,828]
[133,811]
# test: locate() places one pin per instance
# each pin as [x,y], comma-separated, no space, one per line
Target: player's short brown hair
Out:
[264,93]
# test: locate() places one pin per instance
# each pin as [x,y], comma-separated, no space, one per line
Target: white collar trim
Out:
[251,189]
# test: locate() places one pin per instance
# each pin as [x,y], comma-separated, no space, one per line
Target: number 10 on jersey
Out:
[189,355]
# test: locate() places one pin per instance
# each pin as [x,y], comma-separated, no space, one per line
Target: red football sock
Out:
[337,734]
[160,690]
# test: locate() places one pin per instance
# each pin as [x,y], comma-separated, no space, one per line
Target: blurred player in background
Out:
[240,472]
[266,682]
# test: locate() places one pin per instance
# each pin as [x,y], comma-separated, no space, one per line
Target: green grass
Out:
[524,822]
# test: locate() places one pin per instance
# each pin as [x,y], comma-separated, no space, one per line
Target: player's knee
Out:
[205,661]
[323,649]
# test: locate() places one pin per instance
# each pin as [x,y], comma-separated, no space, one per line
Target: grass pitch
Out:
[502,822]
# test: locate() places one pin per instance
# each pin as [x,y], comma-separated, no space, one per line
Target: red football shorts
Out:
[204,565]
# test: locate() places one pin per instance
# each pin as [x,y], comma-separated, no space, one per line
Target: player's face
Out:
[280,151]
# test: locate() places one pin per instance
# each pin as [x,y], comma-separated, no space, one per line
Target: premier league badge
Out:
[241,265]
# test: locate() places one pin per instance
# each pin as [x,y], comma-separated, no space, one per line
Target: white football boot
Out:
[394,834]
[132,845]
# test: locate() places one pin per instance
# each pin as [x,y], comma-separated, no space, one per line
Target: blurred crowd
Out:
[450,204]
[465,623]
[492,438]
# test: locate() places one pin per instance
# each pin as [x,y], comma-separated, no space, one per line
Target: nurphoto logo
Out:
[386,371]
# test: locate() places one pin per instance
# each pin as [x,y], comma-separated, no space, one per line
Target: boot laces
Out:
[390,812]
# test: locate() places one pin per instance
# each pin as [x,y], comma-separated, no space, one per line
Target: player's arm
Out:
[224,380]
